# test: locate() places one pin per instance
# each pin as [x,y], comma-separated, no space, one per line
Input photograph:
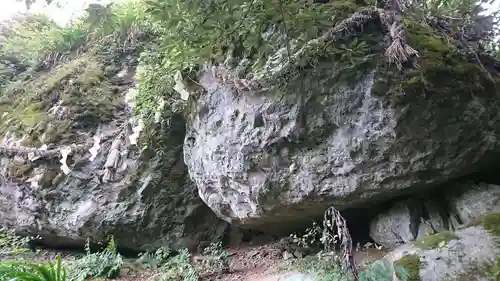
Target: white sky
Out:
[62,14]
[72,7]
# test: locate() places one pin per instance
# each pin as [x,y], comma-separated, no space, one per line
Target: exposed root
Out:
[336,232]
[32,154]
[397,51]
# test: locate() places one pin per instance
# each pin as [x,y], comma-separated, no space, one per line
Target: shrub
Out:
[106,263]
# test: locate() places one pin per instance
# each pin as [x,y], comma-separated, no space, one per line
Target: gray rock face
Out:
[411,219]
[393,228]
[463,258]
[475,201]
[261,160]
[143,202]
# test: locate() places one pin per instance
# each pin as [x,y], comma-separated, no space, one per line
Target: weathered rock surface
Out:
[473,201]
[411,219]
[261,160]
[414,218]
[109,188]
[464,258]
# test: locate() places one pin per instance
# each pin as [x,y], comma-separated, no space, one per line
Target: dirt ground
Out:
[260,263]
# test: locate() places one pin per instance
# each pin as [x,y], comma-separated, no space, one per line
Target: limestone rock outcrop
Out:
[472,201]
[265,159]
[90,178]
[468,256]
[461,204]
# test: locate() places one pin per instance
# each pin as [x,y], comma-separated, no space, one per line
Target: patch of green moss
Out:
[491,222]
[434,241]
[79,86]
[443,70]
[412,264]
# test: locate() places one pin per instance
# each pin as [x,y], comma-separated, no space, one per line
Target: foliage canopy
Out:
[181,36]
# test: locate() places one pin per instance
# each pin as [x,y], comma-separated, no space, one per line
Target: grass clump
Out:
[412,264]
[435,241]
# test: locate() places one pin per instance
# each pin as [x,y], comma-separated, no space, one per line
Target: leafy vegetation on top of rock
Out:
[54,79]
[255,39]
[435,240]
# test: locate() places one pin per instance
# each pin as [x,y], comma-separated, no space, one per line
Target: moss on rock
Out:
[491,222]
[435,241]
[78,89]
[494,269]
[442,67]
[411,263]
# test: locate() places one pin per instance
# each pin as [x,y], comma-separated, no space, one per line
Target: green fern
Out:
[22,271]
[105,264]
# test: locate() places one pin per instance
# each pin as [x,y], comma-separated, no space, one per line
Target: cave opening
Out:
[486,171]
[78,249]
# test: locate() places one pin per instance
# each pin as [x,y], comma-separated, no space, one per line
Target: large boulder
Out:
[339,134]
[470,254]
[82,174]
[472,201]
[410,219]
